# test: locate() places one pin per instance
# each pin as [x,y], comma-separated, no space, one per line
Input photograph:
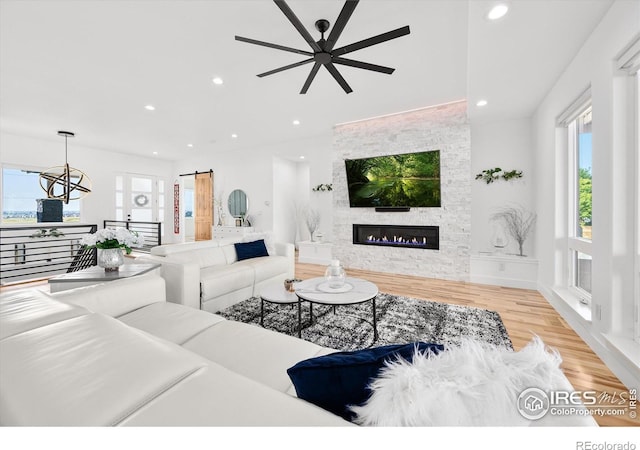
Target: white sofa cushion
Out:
[266,267]
[89,370]
[204,257]
[215,396]
[116,297]
[230,253]
[29,309]
[217,281]
[259,354]
[170,321]
[172,249]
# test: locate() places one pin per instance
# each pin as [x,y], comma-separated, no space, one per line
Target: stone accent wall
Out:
[445,128]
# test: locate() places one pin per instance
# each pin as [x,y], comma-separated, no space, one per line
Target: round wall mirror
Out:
[238,203]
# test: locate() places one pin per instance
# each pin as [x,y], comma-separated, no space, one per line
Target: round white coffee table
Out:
[355,290]
[277,294]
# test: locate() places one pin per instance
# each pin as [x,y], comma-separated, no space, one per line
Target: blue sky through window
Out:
[584,156]
[20,189]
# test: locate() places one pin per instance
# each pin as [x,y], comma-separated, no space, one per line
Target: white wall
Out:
[253,175]
[303,183]
[271,182]
[321,172]
[285,190]
[504,144]
[613,260]
[101,167]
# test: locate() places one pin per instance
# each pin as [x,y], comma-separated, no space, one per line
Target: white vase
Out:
[335,275]
[110,259]
[499,239]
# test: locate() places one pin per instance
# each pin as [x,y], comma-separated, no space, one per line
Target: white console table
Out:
[504,270]
[314,252]
[220,232]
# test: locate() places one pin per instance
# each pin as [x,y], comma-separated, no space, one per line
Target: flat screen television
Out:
[405,180]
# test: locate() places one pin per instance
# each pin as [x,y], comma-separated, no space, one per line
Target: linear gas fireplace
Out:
[412,236]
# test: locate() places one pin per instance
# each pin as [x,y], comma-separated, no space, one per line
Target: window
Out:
[20,193]
[580,204]
[627,65]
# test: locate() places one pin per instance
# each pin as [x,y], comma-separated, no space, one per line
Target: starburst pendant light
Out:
[64,182]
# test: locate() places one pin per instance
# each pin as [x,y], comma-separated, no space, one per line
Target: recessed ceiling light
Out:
[296,122]
[150,108]
[497,11]
[234,135]
[482,103]
[155,153]
[217,80]
[190,145]
[301,157]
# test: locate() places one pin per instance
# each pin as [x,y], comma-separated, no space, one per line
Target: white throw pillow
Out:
[475,384]
[269,240]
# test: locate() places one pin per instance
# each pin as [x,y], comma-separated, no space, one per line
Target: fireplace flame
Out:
[398,240]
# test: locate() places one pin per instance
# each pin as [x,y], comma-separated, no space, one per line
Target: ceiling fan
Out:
[323,53]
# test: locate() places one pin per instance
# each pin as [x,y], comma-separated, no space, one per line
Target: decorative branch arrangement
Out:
[323,187]
[518,222]
[491,175]
[313,221]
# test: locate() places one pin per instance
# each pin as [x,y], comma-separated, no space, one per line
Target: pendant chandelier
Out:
[64,182]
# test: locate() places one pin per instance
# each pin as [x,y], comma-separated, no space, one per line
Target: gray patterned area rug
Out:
[401,320]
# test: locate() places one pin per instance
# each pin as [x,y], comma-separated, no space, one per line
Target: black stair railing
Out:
[150,231]
[29,252]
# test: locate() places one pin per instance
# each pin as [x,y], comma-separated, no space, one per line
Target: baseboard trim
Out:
[505,282]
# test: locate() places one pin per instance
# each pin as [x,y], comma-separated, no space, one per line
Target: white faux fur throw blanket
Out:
[475,384]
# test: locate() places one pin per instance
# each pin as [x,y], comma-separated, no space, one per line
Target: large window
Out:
[20,193]
[580,204]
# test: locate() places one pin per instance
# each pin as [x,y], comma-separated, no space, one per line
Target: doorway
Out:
[140,198]
[203,206]
[197,198]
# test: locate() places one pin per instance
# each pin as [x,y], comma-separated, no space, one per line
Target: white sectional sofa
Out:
[207,274]
[119,354]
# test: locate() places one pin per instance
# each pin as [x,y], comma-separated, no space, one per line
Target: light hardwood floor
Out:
[525,313]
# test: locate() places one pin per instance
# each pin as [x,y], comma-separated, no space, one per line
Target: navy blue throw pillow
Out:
[338,380]
[247,250]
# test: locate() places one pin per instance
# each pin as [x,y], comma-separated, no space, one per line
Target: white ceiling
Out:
[91,66]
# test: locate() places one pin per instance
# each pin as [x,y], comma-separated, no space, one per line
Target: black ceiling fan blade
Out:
[363,65]
[290,66]
[341,21]
[276,46]
[341,81]
[372,41]
[310,78]
[297,24]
